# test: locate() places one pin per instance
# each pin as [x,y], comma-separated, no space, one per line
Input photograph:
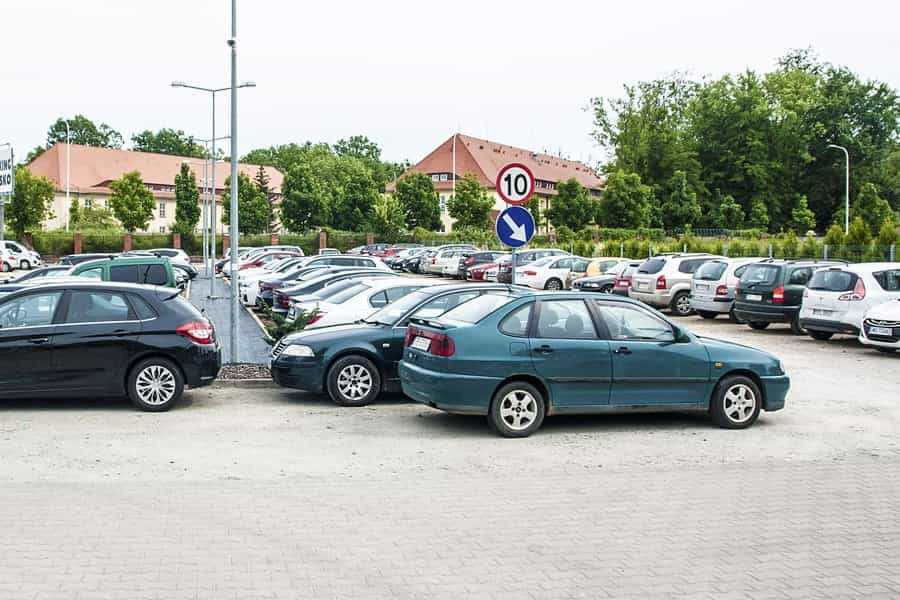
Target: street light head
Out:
[178,84]
[248,84]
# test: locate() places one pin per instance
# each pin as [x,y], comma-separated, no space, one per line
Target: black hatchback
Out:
[100,338]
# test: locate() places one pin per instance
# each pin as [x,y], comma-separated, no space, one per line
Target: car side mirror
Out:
[681,336]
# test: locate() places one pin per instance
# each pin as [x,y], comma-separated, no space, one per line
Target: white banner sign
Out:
[6,170]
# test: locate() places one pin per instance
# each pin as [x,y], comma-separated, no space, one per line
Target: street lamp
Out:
[846,188]
[68,162]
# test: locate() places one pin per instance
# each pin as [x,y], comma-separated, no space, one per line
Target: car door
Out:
[95,340]
[648,365]
[569,355]
[27,328]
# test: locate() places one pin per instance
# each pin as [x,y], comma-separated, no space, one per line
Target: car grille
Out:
[878,323]
[894,326]
[279,348]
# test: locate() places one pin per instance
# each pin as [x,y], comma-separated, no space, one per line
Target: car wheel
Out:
[885,350]
[517,410]
[759,325]
[732,316]
[707,314]
[554,284]
[155,384]
[354,381]
[736,402]
[25,265]
[681,304]
[607,289]
[796,329]
[819,335]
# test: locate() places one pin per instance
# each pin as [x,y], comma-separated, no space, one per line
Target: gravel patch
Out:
[244,371]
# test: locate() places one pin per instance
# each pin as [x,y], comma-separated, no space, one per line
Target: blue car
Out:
[518,358]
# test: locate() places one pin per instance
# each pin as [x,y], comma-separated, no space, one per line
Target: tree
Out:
[859,233]
[419,200]
[887,234]
[304,205]
[83,131]
[730,214]
[871,207]
[31,203]
[354,195]
[681,208]
[759,215]
[34,153]
[470,205]
[187,201]
[802,218]
[167,141]
[253,208]
[261,179]
[74,213]
[572,207]
[626,201]
[95,219]
[387,217]
[132,202]
[834,237]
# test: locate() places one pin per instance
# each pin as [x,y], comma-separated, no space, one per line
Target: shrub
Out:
[278,326]
[54,243]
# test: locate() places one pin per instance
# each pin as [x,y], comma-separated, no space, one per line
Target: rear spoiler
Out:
[429,323]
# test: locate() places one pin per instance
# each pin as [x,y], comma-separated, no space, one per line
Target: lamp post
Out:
[846,187]
[68,162]
[235,292]
[209,235]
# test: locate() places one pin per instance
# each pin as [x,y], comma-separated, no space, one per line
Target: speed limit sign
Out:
[515,183]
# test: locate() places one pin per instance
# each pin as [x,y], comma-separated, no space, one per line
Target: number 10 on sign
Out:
[515,183]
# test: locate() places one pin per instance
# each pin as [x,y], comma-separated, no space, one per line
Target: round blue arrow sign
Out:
[515,226]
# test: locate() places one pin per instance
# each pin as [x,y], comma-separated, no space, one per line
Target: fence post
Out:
[770,250]
[323,239]
[893,252]
[176,241]
[370,239]
[76,243]
[725,249]
[621,249]
[127,242]
[824,251]
[684,247]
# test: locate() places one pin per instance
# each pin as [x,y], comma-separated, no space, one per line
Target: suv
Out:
[143,270]
[713,285]
[525,257]
[664,281]
[838,298]
[771,291]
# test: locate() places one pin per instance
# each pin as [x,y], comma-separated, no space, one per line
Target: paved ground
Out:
[271,494]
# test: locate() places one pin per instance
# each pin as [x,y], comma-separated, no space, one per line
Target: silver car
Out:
[664,281]
[713,286]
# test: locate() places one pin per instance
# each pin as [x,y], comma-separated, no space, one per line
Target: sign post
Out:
[7,183]
[515,226]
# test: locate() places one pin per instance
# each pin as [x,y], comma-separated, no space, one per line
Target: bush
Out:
[278,326]
[103,242]
[54,243]
[145,241]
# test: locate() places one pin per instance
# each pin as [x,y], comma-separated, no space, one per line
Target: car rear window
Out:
[478,308]
[766,274]
[689,266]
[652,265]
[888,280]
[832,281]
[711,271]
[347,293]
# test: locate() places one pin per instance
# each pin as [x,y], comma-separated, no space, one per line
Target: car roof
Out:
[873,267]
[126,260]
[452,287]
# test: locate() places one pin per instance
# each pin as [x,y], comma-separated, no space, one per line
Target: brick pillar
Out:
[29,240]
[176,241]
[226,243]
[323,239]
[127,243]
[370,238]
[76,243]
[273,239]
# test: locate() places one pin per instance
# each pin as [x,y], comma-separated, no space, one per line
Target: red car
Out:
[477,272]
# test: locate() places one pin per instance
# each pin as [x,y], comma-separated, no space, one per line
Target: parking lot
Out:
[255,493]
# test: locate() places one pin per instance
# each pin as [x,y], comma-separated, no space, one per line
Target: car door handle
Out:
[622,350]
[545,349]
[38,341]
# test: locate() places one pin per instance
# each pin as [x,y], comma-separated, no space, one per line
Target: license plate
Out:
[421,343]
[754,297]
[292,314]
[642,285]
[881,331]
[821,312]
[702,286]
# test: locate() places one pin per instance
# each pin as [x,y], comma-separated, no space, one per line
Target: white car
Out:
[248,281]
[548,273]
[881,327]
[25,257]
[714,284]
[492,273]
[356,301]
[173,254]
[8,261]
[442,259]
[256,253]
[837,298]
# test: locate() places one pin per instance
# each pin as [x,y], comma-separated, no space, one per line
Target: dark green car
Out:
[147,270]
[518,358]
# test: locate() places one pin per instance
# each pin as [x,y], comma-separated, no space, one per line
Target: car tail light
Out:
[284,301]
[441,343]
[661,282]
[529,273]
[778,295]
[858,293]
[199,332]
[722,290]
[470,260]
[316,317]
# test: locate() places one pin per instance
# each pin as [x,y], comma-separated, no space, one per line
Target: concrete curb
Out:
[245,384]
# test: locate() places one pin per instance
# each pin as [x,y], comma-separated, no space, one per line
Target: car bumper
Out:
[463,394]
[829,326]
[716,305]
[775,390]
[881,341]
[300,374]
[658,300]
[765,314]
[201,365]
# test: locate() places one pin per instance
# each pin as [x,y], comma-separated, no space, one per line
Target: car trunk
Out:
[707,279]
[644,279]
[759,284]
[828,294]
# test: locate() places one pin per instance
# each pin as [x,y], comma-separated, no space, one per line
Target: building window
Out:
[162,210]
[89,203]
[443,203]
[435,177]
[162,229]
[444,177]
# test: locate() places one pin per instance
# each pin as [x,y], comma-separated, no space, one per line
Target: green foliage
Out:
[253,208]
[96,219]
[167,141]
[187,201]
[859,233]
[132,202]
[470,205]
[419,200]
[759,215]
[681,207]
[730,215]
[261,179]
[572,207]
[54,243]
[145,241]
[871,207]
[277,326]
[304,204]
[887,233]
[564,234]
[85,132]
[387,218]
[354,196]
[74,213]
[834,237]
[802,218]
[625,202]
[790,245]
[31,203]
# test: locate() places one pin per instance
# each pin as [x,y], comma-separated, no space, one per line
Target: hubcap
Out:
[518,409]
[740,403]
[155,385]
[354,382]
[553,285]
[683,305]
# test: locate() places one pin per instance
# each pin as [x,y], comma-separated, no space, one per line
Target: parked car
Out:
[43,273]
[145,270]
[416,262]
[314,283]
[88,339]
[519,358]
[493,273]
[600,265]
[356,363]
[396,249]
[622,284]
[254,256]
[525,257]
[771,291]
[664,281]
[448,257]
[174,254]
[399,260]
[470,260]
[25,256]
[248,280]
[881,327]
[374,249]
[356,301]
[548,273]
[328,251]
[77,259]
[365,262]
[8,261]
[17,284]
[837,298]
[263,295]
[606,282]
[242,251]
[713,286]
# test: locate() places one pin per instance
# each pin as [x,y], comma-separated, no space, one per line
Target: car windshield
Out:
[391,313]
[711,271]
[764,274]
[346,293]
[832,281]
[652,265]
[478,308]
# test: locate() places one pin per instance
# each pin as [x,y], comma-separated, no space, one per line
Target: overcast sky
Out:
[406,74]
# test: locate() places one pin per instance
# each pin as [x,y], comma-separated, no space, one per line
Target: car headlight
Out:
[299,351]
[591,285]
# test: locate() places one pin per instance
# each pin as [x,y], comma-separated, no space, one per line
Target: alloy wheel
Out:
[554,284]
[354,382]
[739,403]
[155,385]
[518,409]
[683,305]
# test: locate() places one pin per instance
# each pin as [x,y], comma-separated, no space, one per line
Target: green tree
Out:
[859,233]
[681,207]
[304,204]
[353,201]
[887,234]
[730,215]
[261,179]
[31,203]
[97,219]
[253,209]
[387,217]
[167,141]
[132,202]
[834,237]
[420,202]
[470,205]
[625,202]
[187,201]
[802,218]
[572,207]
[759,215]
[74,213]
[85,132]
[871,207]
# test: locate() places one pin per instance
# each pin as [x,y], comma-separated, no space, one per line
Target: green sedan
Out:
[518,358]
